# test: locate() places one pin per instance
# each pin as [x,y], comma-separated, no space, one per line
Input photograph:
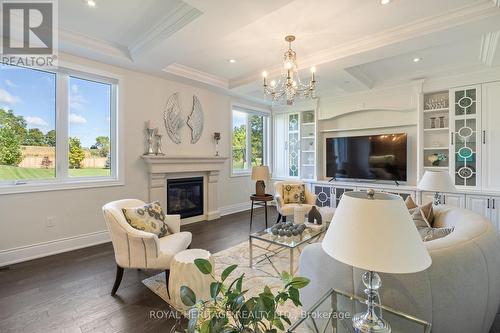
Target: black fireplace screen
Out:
[185,196]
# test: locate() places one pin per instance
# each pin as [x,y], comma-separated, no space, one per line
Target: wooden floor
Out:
[70,292]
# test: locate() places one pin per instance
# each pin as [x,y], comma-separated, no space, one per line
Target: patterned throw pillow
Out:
[426,232]
[149,218]
[294,193]
[427,210]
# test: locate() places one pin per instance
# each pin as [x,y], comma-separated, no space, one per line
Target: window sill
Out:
[30,187]
[241,174]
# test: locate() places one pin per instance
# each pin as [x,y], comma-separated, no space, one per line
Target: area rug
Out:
[264,271]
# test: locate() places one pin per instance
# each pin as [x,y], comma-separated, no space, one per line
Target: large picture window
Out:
[56,127]
[249,140]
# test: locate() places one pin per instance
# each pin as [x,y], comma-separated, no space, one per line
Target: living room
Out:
[335,159]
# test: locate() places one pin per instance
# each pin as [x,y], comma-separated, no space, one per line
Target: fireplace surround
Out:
[163,168]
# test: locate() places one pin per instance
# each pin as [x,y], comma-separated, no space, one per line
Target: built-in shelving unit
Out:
[308,145]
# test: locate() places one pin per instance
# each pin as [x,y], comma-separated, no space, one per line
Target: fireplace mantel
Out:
[160,168]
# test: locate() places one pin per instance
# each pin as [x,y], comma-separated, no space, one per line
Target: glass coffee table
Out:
[334,311]
[282,243]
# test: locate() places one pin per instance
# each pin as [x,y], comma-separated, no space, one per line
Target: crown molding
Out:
[70,39]
[196,75]
[182,15]
[466,14]
[489,46]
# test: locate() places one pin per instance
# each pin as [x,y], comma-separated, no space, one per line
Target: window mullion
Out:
[249,144]
[62,131]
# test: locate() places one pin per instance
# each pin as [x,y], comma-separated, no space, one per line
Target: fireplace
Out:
[185,196]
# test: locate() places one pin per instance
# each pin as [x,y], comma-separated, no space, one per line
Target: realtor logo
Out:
[29,37]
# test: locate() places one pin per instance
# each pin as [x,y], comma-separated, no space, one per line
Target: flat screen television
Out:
[373,157]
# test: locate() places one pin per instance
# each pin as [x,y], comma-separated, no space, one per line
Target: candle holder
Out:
[149,138]
[217,139]
[159,150]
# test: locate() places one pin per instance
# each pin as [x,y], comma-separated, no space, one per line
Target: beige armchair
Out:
[285,210]
[139,249]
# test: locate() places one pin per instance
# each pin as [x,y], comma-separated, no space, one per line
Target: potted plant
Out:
[231,310]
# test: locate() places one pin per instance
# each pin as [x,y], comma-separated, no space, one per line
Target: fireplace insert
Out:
[185,196]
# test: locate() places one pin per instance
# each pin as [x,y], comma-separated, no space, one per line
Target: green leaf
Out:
[215,288]
[286,277]
[203,265]
[188,297]
[277,322]
[286,319]
[205,327]
[299,282]
[294,296]
[227,272]
[239,283]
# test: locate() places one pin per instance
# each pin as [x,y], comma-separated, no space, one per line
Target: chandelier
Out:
[288,86]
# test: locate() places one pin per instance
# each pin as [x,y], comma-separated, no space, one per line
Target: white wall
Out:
[77,213]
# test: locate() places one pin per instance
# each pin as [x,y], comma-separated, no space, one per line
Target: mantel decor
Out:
[173,118]
[195,120]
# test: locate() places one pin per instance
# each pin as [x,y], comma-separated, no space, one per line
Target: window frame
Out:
[62,180]
[250,111]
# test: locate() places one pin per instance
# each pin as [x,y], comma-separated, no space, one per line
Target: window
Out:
[249,140]
[56,127]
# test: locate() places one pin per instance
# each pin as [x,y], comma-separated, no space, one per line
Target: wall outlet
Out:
[49,222]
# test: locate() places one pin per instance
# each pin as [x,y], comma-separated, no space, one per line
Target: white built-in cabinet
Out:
[450,199]
[491,136]
[487,206]
[459,135]
[294,137]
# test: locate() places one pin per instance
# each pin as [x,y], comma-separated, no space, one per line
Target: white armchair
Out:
[285,210]
[139,249]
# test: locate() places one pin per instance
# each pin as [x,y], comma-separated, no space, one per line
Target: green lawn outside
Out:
[13,173]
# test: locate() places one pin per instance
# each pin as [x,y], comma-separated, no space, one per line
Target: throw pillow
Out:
[410,204]
[426,232]
[294,193]
[149,218]
[427,210]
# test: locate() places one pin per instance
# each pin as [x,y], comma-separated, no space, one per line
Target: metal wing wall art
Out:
[195,120]
[173,118]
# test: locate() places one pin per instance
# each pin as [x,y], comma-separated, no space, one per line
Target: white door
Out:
[479,204]
[491,136]
[455,200]
[495,212]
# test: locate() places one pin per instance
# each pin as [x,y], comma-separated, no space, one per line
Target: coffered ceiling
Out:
[355,44]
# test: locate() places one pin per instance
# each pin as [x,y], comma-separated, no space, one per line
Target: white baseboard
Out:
[235,208]
[29,252]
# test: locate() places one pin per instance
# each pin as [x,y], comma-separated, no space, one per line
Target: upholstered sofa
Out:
[459,292]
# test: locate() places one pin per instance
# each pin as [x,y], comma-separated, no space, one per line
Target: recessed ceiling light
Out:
[416,59]
[232,61]
[385,2]
[91,3]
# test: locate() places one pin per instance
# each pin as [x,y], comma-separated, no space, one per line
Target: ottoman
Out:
[183,272]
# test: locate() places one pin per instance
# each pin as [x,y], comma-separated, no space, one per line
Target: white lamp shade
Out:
[260,172]
[375,234]
[436,181]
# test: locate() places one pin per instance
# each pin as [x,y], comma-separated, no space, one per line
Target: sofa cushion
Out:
[294,193]
[149,218]
[427,233]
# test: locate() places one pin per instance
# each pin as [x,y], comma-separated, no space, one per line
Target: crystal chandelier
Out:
[288,86]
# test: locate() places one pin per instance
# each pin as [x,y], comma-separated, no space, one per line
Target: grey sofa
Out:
[459,292]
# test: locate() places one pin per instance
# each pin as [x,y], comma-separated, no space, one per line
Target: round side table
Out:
[183,272]
[259,200]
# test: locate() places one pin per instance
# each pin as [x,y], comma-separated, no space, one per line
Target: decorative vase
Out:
[149,138]
[314,216]
[441,122]
[433,122]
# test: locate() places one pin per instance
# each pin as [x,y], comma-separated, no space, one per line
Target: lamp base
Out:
[369,322]
[362,322]
[260,188]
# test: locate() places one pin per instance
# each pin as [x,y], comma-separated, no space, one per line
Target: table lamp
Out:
[374,232]
[436,181]
[260,174]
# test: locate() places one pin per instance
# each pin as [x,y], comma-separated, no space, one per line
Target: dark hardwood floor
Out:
[70,292]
